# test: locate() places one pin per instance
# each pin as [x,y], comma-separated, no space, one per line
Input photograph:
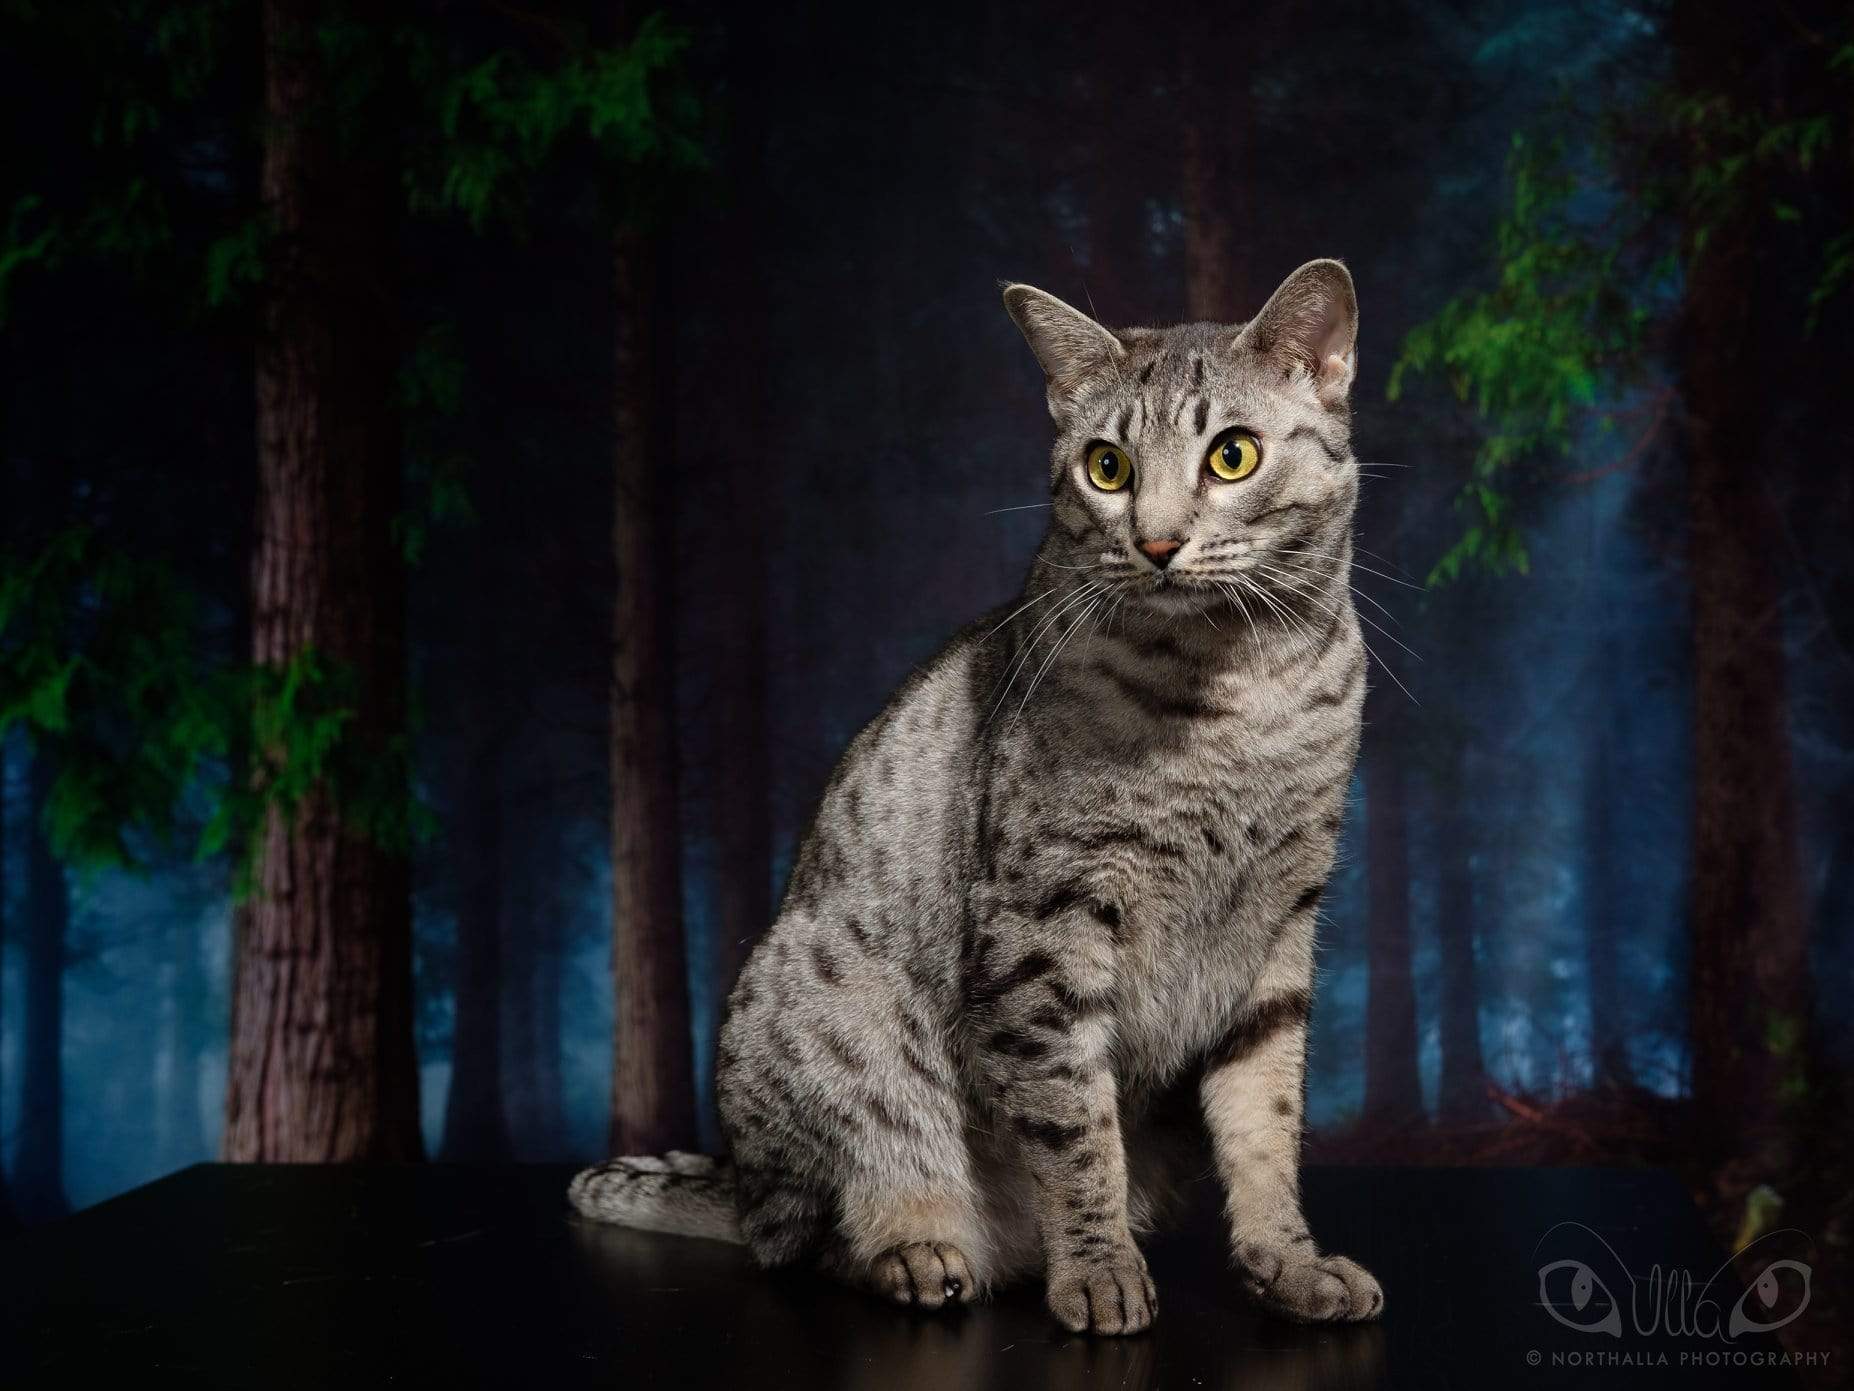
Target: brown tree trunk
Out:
[533,910]
[652,1097]
[1218,277]
[1750,993]
[38,1165]
[1393,1089]
[322,1064]
[1217,287]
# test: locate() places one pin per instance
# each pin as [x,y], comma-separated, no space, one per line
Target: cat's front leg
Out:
[1042,1011]
[1252,1096]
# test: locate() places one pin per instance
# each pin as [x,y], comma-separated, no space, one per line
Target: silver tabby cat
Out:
[1048,947]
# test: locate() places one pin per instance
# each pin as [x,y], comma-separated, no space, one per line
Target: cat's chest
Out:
[1183,822]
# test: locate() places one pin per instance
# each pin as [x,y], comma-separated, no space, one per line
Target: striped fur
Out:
[1048,943]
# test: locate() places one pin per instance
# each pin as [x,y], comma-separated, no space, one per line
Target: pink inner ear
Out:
[1334,377]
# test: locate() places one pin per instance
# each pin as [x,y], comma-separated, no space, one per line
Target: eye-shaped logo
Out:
[1585,1286]
[1763,1295]
[1672,1301]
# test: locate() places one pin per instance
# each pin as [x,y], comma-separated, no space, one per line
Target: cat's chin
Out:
[1173,598]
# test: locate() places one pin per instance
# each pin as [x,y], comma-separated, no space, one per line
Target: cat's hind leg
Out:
[837,1084]
[908,1207]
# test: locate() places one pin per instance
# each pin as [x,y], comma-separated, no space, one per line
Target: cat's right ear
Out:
[1072,348]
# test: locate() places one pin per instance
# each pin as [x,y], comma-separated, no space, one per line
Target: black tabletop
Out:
[310,1277]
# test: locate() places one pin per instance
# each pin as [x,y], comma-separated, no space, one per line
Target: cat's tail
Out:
[688,1194]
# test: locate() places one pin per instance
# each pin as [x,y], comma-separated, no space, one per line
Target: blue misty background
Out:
[858,401]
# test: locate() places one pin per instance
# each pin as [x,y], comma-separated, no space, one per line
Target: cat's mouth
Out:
[1179,593]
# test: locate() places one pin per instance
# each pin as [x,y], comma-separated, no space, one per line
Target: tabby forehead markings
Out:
[1070,876]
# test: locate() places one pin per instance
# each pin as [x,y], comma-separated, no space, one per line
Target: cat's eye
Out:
[1234,456]
[1109,468]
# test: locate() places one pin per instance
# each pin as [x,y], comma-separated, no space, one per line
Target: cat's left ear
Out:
[1310,326]
[1071,347]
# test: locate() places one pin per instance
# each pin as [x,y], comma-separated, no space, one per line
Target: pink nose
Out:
[1160,551]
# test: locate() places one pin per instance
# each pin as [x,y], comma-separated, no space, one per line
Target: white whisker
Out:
[1019,609]
[1275,606]
[1056,651]
[1321,574]
[1323,555]
[1387,671]
[1283,576]
[1384,559]
[1087,591]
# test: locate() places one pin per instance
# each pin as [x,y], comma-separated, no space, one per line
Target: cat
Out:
[1048,945]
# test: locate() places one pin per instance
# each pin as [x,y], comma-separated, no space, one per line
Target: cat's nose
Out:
[1160,550]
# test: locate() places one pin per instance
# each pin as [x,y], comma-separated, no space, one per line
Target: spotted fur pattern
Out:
[1048,945]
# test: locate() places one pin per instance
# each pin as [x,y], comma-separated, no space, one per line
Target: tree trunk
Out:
[198,1030]
[1609,1032]
[1462,1088]
[475,1125]
[9,1219]
[652,1097]
[1749,1002]
[531,942]
[322,1064]
[1218,278]
[1217,178]
[1393,1089]
[38,1167]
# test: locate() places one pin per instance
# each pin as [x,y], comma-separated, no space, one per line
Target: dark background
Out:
[844,423]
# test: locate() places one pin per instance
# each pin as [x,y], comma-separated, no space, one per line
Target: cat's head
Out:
[1195,464]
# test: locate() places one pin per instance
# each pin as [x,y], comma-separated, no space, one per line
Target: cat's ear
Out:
[1071,347]
[1310,326]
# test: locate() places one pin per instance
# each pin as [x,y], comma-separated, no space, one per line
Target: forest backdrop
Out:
[467,475]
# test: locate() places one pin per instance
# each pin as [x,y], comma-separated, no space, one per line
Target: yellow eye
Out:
[1234,456]
[1109,468]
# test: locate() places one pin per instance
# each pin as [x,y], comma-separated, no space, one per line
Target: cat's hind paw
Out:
[926,1274]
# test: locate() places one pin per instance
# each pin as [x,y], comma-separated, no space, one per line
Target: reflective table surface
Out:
[456,1276]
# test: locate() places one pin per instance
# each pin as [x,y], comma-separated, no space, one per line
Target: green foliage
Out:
[305,742]
[145,167]
[1589,259]
[1540,357]
[135,113]
[100,664]
[497,121]
[472,131]
[27,240]
[431,387]
[235,262]
[107,665]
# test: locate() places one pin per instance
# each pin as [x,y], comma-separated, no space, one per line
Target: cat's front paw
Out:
[1111,1293]
[1297,1282]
